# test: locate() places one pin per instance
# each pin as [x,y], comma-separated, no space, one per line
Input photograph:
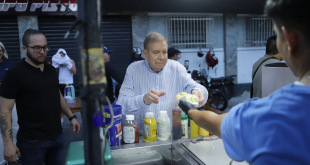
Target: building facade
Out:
[237,39]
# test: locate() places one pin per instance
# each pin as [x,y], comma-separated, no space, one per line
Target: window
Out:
[258,30]
[191,31]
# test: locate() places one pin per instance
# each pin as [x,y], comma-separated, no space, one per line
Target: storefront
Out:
[10,37]
[54,21]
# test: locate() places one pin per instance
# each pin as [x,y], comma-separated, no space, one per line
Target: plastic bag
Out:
[193,99]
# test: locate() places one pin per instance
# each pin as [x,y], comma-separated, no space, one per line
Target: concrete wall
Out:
[158,24]
[240,58]
[246,58]
[218,36]
[24,23]
[194,61]
[241,25]
[139,28]
[230,43]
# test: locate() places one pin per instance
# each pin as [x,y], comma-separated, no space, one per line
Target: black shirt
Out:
[111,73]
[37,98]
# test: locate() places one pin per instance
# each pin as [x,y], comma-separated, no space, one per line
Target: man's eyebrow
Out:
[38,45]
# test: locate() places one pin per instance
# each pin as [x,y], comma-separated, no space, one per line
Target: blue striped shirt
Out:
[140,79]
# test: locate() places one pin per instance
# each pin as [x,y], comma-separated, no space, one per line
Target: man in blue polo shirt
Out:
[274,129]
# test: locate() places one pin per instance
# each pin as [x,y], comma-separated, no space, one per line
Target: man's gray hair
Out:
[153,37]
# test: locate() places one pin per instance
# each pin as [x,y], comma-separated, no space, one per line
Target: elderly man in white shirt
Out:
[152,84]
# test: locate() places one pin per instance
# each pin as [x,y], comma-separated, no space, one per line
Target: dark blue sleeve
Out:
[10,85]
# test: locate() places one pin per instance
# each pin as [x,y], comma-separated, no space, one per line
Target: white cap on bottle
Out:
[149,114]
[162,112]
[130,117]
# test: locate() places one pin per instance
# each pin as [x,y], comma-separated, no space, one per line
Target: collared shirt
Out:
[140,79]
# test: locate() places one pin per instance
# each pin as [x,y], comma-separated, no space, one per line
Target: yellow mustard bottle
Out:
[149,125]
[194,129]
[203,132]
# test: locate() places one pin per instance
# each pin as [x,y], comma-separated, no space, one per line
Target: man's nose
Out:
[42,51]
[161,55]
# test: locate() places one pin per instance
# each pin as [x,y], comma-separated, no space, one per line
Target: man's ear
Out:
[145,54]
[292,36]
[24,48]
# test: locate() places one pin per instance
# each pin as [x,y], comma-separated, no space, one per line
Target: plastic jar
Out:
[115,132]
[149,124]
[163,126]
[184,126]
[130,130]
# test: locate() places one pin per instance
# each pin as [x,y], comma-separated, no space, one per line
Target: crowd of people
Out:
[269,130]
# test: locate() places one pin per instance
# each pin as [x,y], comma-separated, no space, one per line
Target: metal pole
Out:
[94,80]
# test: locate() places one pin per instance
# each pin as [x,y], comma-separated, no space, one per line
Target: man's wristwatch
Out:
[72,117]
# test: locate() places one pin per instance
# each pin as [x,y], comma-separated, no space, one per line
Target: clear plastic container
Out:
[130,130]
[184,126]
[163,126]
[176,123]
[149,124]
[69,94]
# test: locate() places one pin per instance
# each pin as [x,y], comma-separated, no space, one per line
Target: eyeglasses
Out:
[38,49]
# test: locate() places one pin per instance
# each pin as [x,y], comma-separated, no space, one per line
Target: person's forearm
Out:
[73,68]
[64,107]
[208,120]
[6,125]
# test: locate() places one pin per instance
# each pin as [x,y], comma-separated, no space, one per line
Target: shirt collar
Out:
[25,63]
[148,67]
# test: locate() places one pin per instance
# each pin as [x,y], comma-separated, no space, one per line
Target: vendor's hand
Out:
[199,95]
[10,152]
[152,97]
[186,106]
[76,126]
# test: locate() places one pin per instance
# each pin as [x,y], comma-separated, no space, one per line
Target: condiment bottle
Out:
[184,126]
[176,123]
[149,124]
[130,130]
[203,132]
[194,129]
[163,126]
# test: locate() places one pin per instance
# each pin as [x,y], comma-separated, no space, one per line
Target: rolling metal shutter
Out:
[55,28]
[9,36]
[116,35]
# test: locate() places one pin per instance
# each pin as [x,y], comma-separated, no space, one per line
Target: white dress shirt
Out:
[140,79]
